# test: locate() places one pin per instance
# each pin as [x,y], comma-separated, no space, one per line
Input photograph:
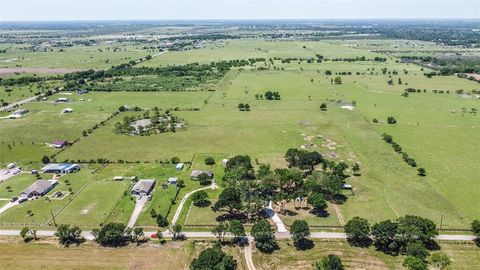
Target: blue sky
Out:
[33,10]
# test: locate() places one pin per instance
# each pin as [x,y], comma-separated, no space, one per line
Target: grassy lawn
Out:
[463,256]
[42,208]
[296,213]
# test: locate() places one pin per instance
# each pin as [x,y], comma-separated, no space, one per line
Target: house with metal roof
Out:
[60,168]
[143,187]
[39,188]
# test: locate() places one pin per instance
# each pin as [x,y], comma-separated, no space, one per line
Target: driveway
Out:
[139,204]
[275,218]
[8,206]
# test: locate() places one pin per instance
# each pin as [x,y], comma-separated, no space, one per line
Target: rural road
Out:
[314,235]
[20,102]
[139,204]
[248,255]
[184,199]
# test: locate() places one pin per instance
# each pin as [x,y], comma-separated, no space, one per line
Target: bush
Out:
[413,263]
[213,258]
[330,262]
[161,221]
[417,250]
[209,161]
[175,160]
[391,120]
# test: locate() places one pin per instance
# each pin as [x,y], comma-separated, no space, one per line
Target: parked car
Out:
[22,200]
[154,235]
[14,199]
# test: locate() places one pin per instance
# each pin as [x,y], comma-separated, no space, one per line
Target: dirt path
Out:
[248,255]
[184,199]
[339,214]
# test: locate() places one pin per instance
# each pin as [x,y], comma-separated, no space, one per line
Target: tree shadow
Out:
[320,213]
[287,212]
[432,245]
[339,199]
[304,244]
[231,216]
[477,241]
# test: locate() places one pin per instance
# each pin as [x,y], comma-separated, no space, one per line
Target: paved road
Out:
[20,102]
[184,199]
[315,235]
[139,204]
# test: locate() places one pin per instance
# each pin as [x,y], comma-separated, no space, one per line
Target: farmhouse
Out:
[60,168]
[18,113]
[196,173]
[39,188]
[59,144]
[143,187]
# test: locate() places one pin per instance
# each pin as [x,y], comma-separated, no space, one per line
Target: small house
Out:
[143,187]
[60,168]
[196,173]
[67,110]
[39,188]
[172,180]
[179,166]
[59,144]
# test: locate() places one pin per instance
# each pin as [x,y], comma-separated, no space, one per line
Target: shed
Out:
[143,187]
[11,165]
[172,180]
[179,166]
[347,186]
[67,110]
[62,99]
[118,178]
[225,161]
[59,144]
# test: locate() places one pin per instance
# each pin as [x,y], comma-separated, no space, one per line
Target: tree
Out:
[317,201]
[213,259]
[229,201]
[299,232]
[241,107]
[413,263]
[391,120]
[204,179]
[45,159]
[236,228]
[68,235]
[358,231]
[355,168]
[331,184]
[264,236]
[26,234]
[421,172]
[175,160]
[180,183]
[200,199]
[112,234]
[176,231]
[417,250]
[161,221]
[209,161]
[138,235]
[220,231]
[323,106]
[329,262]
[440,260]
[476,227]
[384,236]
[414,228]
[153,213]
[337,80]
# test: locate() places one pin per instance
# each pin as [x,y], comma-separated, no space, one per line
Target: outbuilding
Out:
[179,166]
[143,187]
[18,113]
[60,168]
[62,99]
[67,110]
[172,180]
[118,178]
[39,188]
[59,144]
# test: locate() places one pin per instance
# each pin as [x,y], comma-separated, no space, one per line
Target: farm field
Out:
[463,256]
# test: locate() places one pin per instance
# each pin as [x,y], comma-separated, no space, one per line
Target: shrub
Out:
[209,161]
